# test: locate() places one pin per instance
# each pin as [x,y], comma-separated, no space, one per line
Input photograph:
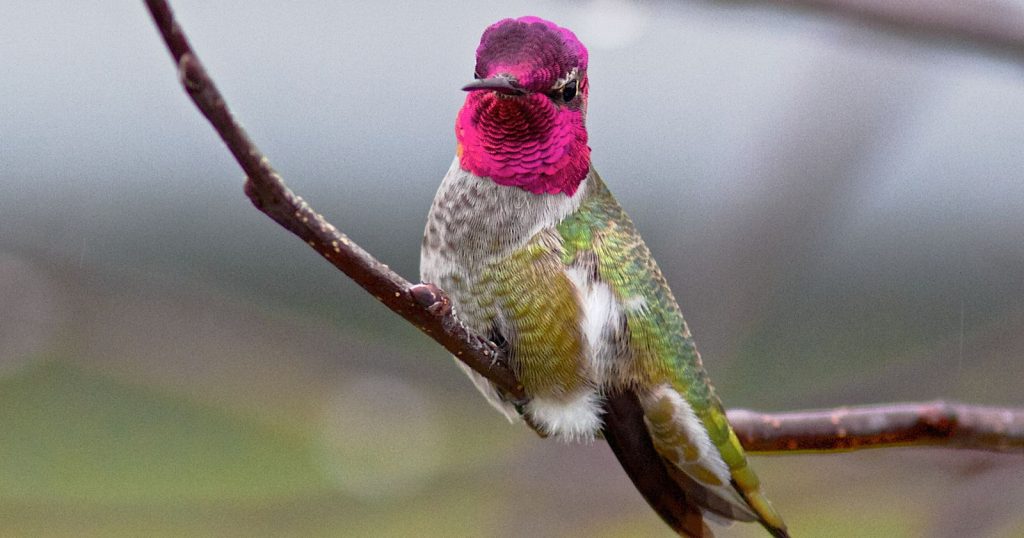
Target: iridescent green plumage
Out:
[663,350]
[536,254]
[536,298]
[661,344]
[535,289]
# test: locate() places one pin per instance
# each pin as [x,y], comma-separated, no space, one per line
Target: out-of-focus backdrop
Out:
[839,209]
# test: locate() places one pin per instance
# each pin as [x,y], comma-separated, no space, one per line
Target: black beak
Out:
[500,83]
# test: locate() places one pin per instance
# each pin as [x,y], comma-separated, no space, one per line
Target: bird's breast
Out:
[474,221]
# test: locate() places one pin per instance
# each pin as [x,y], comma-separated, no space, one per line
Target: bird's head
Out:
[523,120]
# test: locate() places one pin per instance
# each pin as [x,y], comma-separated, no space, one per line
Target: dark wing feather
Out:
[626,433]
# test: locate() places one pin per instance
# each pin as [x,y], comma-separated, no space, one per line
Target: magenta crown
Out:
[535,139]
[536,50]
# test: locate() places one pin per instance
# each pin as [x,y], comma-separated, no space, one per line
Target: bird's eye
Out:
[568,92]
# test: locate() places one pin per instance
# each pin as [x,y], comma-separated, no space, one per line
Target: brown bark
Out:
[950,425]
[424,305]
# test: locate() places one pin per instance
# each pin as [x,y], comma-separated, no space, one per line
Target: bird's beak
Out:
[500,83]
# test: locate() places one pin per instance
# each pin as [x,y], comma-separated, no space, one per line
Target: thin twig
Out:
[427,307]
[950,425]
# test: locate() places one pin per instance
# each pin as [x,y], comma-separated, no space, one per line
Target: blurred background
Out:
[838,207]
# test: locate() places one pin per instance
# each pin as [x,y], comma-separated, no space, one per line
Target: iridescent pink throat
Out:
[524,141]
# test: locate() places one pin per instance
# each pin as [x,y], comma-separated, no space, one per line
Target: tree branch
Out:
[428,308]
[951,425]
[425,306]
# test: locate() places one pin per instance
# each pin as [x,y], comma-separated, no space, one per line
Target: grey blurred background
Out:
[839,209]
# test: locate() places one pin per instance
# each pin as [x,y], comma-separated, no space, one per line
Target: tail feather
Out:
[626,433]
[727,511]
[678,499]
[778,530]
[705,457]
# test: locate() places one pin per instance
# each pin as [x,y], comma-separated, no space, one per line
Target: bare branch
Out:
[950,425]
[427,307]
[992,24]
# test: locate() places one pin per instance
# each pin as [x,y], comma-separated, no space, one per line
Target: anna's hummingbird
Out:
[536,254]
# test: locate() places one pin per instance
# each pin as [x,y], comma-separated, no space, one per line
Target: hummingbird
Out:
[537,255]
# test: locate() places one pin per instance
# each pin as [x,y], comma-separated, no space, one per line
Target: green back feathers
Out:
[663,350]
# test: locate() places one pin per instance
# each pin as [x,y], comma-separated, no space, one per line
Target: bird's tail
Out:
[681,501]
[627,435]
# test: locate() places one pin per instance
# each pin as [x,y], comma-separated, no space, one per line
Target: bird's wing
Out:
[627,435]
[656,359]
